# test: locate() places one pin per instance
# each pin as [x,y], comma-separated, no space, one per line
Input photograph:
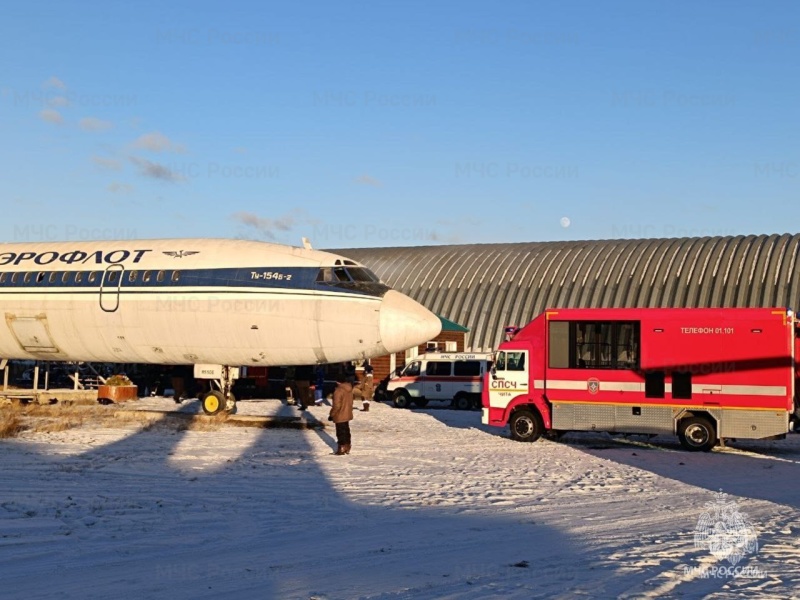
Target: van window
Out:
[467,368]
[439,369]
[412,370]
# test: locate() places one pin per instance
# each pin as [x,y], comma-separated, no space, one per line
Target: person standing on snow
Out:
[342,413]
[367,386]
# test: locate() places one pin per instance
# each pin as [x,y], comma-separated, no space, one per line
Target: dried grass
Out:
[16,417]
[10,423]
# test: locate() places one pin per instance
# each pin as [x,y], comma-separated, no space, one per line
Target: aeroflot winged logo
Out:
[82,257]
[72,257]
[181,253]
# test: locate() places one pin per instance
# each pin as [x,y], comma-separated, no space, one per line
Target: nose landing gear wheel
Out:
[213,403]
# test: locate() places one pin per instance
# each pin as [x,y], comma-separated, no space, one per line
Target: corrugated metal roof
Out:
[488,286]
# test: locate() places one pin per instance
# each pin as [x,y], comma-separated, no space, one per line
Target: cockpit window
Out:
[362,274]
[355,279]
[332,275]
[340,274]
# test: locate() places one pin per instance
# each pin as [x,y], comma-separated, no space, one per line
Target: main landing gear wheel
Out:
[213,403]
[526,426]
[697,434]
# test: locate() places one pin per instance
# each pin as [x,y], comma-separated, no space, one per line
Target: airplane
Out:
[217,304]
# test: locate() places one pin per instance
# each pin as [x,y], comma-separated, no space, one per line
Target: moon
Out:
[565,222]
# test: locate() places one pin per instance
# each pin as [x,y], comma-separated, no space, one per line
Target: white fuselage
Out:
[191,301]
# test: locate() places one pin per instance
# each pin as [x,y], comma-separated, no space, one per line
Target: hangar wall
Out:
[488,286]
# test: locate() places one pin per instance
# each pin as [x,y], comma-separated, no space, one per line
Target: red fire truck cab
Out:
[704,374]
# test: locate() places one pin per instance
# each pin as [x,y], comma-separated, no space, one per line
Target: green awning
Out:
[448,325]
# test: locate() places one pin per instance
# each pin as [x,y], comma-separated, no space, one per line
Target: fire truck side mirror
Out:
[493,371]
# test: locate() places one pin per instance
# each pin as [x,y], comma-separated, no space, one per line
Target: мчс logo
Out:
[728,535]
[725,531]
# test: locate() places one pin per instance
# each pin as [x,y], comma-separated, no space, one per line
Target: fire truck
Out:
[704,374]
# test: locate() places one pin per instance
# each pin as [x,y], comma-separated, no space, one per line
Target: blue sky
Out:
[361,124]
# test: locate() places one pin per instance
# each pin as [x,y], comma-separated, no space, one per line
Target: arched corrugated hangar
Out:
[488,286]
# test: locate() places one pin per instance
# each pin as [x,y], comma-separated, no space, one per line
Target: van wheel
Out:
[526,426]
[462,401]
[401,399]
[421,402]
[697,434]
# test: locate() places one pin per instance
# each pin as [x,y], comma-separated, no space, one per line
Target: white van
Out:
[454,378]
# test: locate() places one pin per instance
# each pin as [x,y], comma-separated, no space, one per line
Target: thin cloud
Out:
[119,188]
[92,124]
[51,116]
[437,236]
[367,180]
[268,227]
[155,171]
[55,82]
[110,164]
[58,101]
[156,141]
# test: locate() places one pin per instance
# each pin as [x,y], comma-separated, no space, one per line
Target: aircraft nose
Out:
[405,323]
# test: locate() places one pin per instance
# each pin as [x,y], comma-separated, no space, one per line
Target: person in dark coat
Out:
[342,413]
[302,381]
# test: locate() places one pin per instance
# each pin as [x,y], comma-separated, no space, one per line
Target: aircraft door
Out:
[109,287]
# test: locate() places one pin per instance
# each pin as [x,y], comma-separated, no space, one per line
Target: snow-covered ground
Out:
[430,504]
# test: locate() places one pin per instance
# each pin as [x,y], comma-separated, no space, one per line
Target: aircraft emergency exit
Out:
[213,303]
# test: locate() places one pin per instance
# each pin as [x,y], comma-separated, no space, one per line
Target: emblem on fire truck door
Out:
[593,385]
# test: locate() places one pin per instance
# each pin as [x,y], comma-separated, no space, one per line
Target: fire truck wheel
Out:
[526,426]
[462,402]
[401,399]
[697,434]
